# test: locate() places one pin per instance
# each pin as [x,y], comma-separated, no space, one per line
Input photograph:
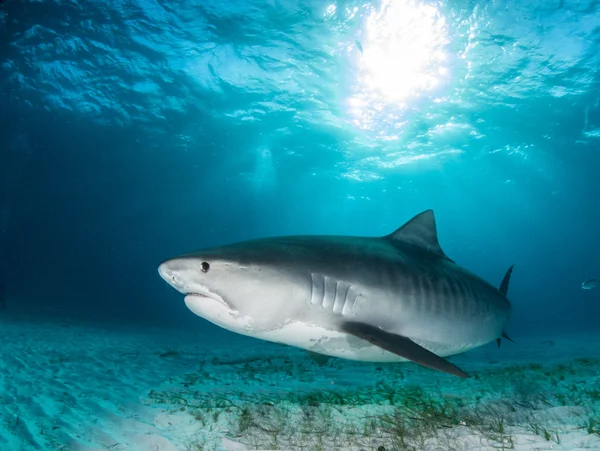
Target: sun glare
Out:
[401,56]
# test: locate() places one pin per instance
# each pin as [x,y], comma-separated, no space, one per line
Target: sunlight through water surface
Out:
[402,57]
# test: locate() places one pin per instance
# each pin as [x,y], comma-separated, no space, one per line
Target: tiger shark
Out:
[376,299]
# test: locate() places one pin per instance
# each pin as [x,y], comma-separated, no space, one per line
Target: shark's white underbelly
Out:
[313,337]
[340,344]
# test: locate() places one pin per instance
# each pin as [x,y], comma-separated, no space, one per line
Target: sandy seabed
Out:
[83,387]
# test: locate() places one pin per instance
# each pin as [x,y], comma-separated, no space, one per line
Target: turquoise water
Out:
[133,131]
[137,130]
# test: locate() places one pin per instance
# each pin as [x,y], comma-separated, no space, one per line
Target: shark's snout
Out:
[171,275]
[188,277]
[164,270]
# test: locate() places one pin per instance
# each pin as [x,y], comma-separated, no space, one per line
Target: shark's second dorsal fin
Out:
[421,232]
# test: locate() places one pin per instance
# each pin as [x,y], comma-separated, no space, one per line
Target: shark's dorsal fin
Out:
[421,232]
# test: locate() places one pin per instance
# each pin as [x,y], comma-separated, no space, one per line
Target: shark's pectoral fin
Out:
[402,346]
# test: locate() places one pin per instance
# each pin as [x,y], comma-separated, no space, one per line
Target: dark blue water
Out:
[134,131]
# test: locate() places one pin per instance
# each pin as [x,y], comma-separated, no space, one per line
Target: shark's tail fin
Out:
[504,290]
[506,281]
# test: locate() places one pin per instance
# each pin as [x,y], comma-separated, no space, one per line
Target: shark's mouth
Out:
[206,294]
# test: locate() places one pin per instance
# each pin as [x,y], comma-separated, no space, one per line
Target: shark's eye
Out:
[205,267]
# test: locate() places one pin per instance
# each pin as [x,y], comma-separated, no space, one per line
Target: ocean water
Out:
[134,131]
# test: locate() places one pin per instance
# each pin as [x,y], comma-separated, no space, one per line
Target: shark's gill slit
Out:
[330,292]
[317,289]
[351,297]
[341,296]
